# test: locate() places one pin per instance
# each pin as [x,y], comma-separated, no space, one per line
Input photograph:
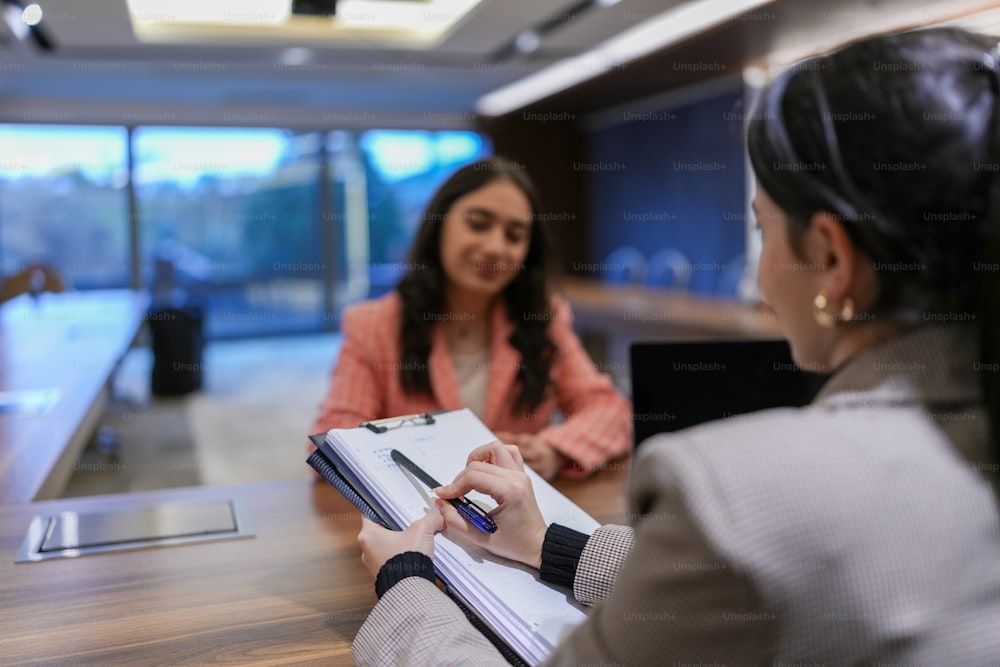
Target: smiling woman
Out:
[472,323]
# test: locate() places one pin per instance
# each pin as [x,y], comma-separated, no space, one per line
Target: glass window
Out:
[232,219]
[228,217]
[402,169]
[63,202]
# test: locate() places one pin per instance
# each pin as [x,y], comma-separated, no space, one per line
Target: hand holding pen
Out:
[494,469]
[469,510]
[498,471]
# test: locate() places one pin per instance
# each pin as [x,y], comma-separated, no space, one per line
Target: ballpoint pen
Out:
[472,512]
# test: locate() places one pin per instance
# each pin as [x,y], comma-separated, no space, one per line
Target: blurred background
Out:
[255,167]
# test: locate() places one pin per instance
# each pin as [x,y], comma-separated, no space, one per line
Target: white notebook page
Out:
[529,614]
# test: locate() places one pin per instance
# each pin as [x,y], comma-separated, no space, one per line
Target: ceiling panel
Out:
[99,63]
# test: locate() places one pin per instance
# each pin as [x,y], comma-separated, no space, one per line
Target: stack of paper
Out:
[528,614]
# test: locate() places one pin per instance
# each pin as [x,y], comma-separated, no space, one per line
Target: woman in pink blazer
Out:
[472,324]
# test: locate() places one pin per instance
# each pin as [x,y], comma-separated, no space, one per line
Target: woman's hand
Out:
[498,471]
[543,458]
[379,544]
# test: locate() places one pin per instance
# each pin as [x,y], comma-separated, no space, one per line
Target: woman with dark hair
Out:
[472,323]
[859,530]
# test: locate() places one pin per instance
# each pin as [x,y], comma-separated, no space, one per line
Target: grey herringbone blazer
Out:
[862,529]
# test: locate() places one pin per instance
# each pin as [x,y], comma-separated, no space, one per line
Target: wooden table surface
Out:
[652,313]
[69,343]
[612,317]
[296,593]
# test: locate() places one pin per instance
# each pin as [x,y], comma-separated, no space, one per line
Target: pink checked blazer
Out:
[365,384]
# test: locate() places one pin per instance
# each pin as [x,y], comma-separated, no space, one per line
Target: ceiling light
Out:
[294,56]
[755,76]
[436,15]
[527,42]
[32,14]
[418,24]
[228,12]
[25,22]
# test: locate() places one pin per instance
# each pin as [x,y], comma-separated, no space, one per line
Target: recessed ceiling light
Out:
[419,24]
[527,42]
[32,14]
[295,55]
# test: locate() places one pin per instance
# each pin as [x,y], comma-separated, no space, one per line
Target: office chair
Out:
[669,268]
[33,279]
[623,266]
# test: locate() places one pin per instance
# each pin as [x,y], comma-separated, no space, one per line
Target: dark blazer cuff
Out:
[401,566]
[561,552]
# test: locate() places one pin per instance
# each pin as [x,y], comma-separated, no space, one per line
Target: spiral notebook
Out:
[522,615]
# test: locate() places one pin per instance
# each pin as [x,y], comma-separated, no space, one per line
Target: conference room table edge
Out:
[295,592]
[44,449]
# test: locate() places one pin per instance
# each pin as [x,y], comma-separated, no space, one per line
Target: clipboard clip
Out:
[390,423]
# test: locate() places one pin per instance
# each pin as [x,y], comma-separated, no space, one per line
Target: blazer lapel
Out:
[504,364]
[444,383]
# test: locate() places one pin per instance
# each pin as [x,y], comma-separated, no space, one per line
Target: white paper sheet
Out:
[530,615]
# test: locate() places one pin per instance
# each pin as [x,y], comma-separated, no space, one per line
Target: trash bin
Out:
[178,346]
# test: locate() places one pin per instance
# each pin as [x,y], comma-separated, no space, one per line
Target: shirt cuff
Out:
[561,552]
[401,566]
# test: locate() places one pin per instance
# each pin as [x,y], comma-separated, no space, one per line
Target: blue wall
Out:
[673,178]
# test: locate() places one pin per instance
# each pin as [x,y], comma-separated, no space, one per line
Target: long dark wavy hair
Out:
[898,137]
[526,298]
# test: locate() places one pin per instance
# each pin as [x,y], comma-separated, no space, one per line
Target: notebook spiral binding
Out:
[319,463]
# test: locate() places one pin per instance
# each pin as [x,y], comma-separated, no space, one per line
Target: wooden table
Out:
[618,315]
[296,593]
[68,345]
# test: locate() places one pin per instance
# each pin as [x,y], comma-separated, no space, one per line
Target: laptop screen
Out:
[678,384]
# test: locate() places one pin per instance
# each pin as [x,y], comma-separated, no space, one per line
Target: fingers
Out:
[492,452]
[458,528]
[367,526]
[515,454]
[486,478]
[532,451]
[431,523]
[453,521]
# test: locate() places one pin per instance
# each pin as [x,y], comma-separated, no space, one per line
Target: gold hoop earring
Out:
[823,318]
[847,312]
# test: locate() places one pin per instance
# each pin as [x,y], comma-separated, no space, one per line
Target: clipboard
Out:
[419,419]
[331,468]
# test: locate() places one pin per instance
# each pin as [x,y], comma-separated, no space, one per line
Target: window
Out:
[268,230]
[403,170]
[63,202]
[229,217]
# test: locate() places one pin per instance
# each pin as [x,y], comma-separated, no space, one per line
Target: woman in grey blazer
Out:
[862,529]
